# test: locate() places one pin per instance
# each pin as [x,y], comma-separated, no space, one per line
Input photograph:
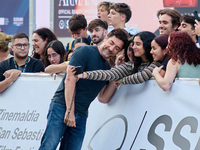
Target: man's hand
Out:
[69,119]
[12,74]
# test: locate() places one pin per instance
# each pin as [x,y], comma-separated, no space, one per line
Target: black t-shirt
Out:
[164,63]
[89,58]
[33,66]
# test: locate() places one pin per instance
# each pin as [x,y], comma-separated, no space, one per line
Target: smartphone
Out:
[78,70]
[196,15]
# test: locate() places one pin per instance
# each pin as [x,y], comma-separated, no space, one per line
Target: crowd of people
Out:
[110,56]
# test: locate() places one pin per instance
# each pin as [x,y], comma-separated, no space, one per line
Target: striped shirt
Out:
[124,71]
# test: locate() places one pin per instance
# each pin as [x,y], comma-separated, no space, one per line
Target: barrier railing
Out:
[138,117]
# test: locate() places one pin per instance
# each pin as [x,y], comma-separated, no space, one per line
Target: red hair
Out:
[182,47]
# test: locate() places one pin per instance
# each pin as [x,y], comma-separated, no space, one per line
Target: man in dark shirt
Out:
[11,68]
[67,117]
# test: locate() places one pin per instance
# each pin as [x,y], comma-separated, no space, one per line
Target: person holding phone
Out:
[68,110]
[197,28]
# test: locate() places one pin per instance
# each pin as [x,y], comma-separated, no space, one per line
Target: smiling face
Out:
[53,57]
[157,52]
[138,48]
[111,47]
[165,24]
[39,44]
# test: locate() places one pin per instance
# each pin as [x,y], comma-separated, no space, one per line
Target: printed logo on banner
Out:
[61,24]
[1,21]
[4,21]
[18,21]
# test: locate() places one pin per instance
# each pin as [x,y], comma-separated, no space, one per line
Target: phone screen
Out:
[78,70]
[196,15]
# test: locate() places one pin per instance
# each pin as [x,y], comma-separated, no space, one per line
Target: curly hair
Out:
[181,47]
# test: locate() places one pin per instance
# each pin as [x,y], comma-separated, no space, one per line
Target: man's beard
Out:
[21,57]
[103,54]
[99,40]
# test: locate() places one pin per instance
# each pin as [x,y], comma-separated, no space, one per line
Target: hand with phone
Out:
[197,28]
[78,71]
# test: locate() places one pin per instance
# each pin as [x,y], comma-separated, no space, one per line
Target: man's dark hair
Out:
[97,22]
[173,13]
[123,9]
[19,35]
[188,19]
[81,40]
[120,34]
[46,34]
[77,22]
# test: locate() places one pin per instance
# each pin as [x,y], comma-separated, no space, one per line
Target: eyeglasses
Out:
[19,46]
[53,55]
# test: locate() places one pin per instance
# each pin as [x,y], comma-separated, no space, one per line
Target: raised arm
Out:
[112,74]
[166,82]
[197,29]
[107,92]
[142,76]
[56,68]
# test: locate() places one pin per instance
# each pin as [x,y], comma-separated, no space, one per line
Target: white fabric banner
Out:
[138,117]
[144,117]
[23,111]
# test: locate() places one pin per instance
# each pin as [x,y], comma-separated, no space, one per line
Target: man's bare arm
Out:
[70,83]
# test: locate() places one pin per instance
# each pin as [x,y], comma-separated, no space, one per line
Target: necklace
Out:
[18,68]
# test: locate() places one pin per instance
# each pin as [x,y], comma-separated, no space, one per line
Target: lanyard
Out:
[17,67]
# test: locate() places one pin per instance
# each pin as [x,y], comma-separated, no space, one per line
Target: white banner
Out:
[138,117]
[144,117]
[23,111]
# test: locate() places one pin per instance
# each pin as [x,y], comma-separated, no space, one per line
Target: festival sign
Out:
[23,111]
[144,13]
[138,117]
[14,16]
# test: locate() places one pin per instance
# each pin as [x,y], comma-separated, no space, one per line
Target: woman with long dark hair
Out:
[55,53]
[132,72]
[41,38]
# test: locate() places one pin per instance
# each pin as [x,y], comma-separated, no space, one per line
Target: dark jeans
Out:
[71,137]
